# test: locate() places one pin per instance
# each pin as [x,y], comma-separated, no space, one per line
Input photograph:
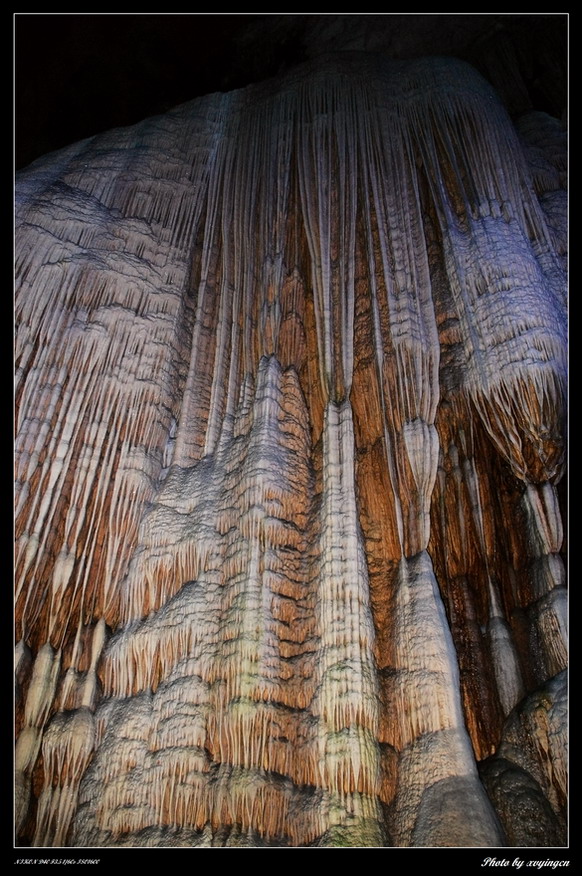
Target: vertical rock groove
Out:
[291,378]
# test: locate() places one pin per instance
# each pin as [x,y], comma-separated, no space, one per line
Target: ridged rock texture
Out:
[290,420]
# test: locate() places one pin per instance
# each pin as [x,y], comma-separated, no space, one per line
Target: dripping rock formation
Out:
[291,377]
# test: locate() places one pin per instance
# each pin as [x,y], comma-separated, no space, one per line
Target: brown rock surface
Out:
[290,412]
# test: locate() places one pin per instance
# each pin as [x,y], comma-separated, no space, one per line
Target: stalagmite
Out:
[291,379]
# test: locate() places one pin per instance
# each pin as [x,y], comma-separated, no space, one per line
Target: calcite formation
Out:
[291,375]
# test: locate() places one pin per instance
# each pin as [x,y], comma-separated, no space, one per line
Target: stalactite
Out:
[290,421]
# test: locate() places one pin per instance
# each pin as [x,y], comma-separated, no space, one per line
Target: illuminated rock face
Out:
[290,399]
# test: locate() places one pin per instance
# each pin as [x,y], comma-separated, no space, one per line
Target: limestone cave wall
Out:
[291,380]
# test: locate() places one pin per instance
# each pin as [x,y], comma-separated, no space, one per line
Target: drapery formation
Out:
[290,416]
